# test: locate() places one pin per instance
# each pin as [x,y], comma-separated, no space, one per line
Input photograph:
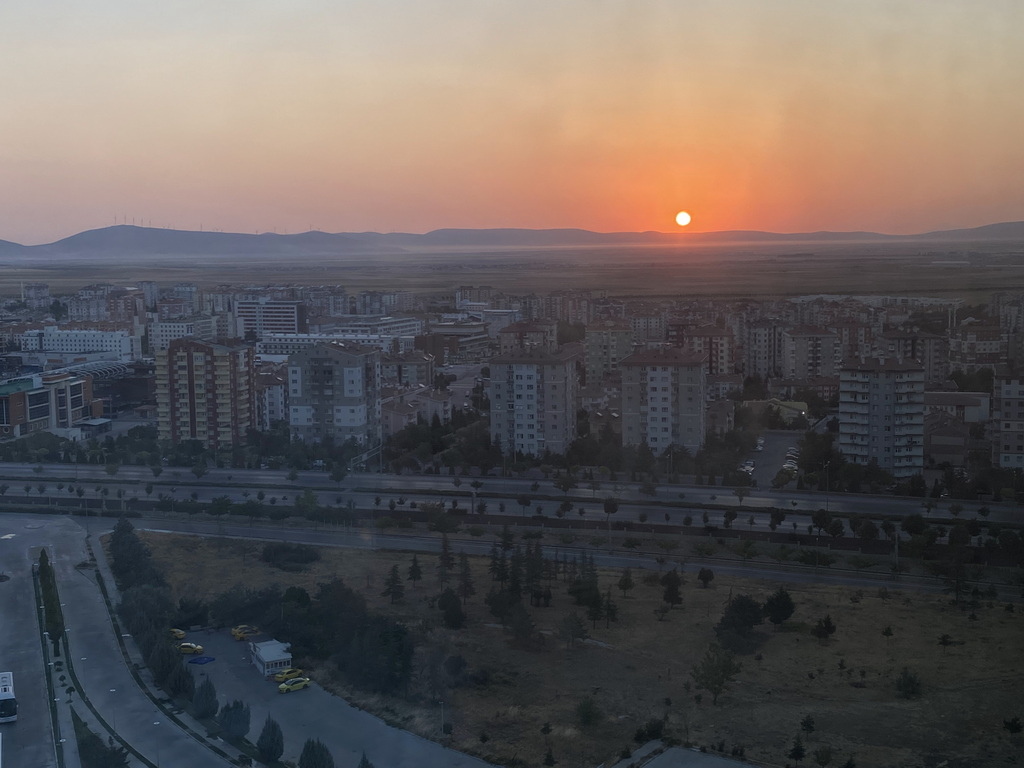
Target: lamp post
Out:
[156,743]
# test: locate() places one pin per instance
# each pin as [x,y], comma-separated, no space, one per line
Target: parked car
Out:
[177,634]
[287,674]
[190,648]
[295,684]
[244,631]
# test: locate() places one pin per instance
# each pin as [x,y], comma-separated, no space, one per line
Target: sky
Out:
[895,116]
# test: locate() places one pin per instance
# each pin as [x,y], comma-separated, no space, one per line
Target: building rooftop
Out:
[665,356]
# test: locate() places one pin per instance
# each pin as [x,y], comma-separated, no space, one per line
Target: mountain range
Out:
[127,239]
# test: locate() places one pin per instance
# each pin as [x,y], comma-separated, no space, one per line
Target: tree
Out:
[571,629]
[611,506]
[200,469]
[611,610]
[393,586]
[798,752]
[807,724]
[451,607]
[364,762]
[671,581]
[908,684]
[270,744]
[626,581]
[522,625]
[823,755]
[741,493]
[779,606]
[715,671]
[234,719]
[729,517]
[315,755]
[741,615]
[705,576]
[824,628]
[465,587]
[588,712]
[445,560]
[415,571]
[204,700]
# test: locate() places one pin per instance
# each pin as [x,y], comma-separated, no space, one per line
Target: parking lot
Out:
[769,461]
[314,713]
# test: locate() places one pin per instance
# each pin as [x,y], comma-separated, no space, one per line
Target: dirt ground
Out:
[638,668]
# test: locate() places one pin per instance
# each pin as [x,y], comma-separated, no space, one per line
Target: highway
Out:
[677,501]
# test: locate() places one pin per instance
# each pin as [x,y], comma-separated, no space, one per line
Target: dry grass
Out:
[638,668]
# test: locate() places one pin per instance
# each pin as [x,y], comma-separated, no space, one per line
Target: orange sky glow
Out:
[895,116]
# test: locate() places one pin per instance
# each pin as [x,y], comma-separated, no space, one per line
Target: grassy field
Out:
[738,269]
[638,668]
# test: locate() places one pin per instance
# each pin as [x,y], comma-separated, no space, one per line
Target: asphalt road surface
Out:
[29,740]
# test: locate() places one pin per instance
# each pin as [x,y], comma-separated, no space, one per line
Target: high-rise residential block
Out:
[205,392]
[534,396]
[608,342]
[881,413]
[334,392]
[663,399]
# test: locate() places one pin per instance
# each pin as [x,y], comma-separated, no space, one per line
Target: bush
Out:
[588,713]
[908,685]
[289,557]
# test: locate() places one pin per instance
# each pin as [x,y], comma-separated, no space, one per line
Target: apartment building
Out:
[122,345]
[162,332]
[809,352]
[534,396]
[528,334]
[881,413]
[1008,418]
[607,343]
[205,391]
[334,393]
[716,343]
[256,318]
[663,399]
[929,349]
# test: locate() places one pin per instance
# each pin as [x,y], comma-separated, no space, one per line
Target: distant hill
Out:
[131,239]
[140,241]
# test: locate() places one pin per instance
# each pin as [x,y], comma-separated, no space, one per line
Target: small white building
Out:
[270,656]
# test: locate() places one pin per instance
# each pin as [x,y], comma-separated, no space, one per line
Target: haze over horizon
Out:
[891,117]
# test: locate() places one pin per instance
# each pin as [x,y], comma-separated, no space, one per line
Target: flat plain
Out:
[730,269]
[638,668]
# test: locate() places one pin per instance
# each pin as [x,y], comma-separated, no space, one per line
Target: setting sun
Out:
[682,218]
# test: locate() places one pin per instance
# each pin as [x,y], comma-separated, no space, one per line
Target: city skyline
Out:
[890,117]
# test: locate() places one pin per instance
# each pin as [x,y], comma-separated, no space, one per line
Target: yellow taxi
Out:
[190,648]
[177,634]
[244,631]
[295,684]
[287,674]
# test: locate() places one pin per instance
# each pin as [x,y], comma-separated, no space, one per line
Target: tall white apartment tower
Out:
[334,392]
[881,413]
[534,397]
[663,394]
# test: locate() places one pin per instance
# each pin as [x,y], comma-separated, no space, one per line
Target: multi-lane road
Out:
[364,489]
